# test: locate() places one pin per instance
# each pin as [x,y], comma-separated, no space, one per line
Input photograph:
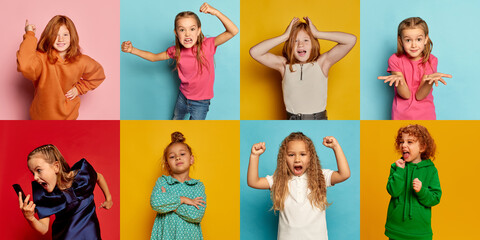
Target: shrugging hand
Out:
[435,78]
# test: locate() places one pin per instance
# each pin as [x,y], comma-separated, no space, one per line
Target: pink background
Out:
[98,26]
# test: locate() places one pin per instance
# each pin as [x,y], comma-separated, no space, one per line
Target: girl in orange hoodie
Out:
[57,69]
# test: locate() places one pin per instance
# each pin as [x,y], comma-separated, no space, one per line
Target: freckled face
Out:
[179,158]
[298,157]
[414,41]
[187,31]
[43,173]
[62,43]
[303,46]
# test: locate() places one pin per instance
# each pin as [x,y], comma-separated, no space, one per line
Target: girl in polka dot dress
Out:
[179,200]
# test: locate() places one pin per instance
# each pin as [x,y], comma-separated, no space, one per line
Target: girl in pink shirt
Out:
[414,71]
[193,54]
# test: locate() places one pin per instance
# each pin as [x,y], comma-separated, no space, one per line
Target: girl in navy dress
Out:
[63,191]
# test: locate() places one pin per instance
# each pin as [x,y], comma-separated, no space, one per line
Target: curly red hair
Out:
[423,136]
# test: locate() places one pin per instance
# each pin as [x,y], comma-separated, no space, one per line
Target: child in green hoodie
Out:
[413,185]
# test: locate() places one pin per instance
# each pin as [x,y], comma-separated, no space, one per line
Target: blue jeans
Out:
[197,108]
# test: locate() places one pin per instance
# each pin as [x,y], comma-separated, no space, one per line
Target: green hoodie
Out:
[409,213]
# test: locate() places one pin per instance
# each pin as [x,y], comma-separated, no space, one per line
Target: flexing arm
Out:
[102,183]
[192,210]
[343,172]
[152,57]
[345,42]
[230,28]
[28,63]
[252,175]
[260,52]
[427,84]
[396,180]
[28,210]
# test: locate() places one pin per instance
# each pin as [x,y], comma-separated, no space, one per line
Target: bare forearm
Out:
[102,183]
[265,46]
[403,90]
[339,37]
[423,91]
[230,27]
[342,163]
[146,55]
[40,226]
[252,174]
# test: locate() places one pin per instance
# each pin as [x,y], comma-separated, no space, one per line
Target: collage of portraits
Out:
[239,119]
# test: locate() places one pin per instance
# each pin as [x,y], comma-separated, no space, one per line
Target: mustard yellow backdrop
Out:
[215,146]
[261,87]
[456,216]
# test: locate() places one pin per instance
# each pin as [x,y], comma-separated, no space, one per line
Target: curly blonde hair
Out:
[316,180]
[424,138]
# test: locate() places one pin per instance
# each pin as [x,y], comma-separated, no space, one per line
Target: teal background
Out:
[149,90]
[453,30]
[257,221]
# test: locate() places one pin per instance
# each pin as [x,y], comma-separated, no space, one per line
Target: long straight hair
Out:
[49,35]
[289,45]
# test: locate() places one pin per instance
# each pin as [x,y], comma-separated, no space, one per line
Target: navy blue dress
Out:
[74,208]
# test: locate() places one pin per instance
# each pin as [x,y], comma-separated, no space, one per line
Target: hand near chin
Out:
[400,163]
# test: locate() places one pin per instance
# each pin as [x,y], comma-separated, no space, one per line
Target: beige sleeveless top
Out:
[304,89]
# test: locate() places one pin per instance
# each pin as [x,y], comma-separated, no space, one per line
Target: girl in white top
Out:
[299,185]
[304,85]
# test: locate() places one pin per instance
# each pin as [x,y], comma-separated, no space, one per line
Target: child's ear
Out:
[192,159]
[56,166]
[175,31]
[422,148]
[426,39]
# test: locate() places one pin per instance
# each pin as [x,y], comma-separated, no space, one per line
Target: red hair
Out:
[290,44]
[49,35]
[423,136]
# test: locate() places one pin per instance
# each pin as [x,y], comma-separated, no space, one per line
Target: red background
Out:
[97,141]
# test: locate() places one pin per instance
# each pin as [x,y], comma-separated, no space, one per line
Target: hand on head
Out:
[310,25]
[258,148]
[29,27]
[127,47]
[289,28]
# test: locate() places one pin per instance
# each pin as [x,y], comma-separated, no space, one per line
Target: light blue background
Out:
[149,89]
[454,31]
[257,221]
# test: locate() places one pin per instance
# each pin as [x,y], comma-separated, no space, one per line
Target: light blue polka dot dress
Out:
[175,220]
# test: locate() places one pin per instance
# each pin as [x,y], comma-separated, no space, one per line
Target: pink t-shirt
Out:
[196,85]
[413,71]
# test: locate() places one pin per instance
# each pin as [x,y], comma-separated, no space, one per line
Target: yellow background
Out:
[456,216]
[261,88]
[215,146]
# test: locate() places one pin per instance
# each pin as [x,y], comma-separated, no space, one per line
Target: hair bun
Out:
[178,137]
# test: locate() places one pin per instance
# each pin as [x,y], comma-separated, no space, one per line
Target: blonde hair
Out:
[316,180]
[422,135]
[51,154]
[198,49]
[412,23]
[289,45]
[176,137]
[49,35]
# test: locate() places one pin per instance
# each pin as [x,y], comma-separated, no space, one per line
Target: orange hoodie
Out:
[53,81]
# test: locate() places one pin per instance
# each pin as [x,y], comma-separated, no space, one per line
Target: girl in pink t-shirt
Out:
[193,54]
[414,71]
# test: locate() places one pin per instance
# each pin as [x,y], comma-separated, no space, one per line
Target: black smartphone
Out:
[18,189]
